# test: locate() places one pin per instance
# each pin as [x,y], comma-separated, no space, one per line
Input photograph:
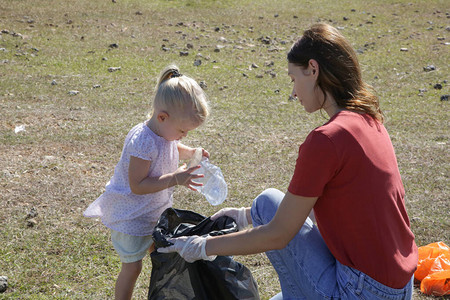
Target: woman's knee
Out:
[265,206]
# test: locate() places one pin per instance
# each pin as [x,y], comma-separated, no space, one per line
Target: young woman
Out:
[362,246]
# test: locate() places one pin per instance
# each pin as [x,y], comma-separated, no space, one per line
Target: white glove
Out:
[191,248]
[238,214]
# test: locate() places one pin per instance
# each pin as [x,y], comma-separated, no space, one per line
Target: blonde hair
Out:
[340,73]
[180,94]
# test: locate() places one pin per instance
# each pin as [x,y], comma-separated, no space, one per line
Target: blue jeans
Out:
[307,269]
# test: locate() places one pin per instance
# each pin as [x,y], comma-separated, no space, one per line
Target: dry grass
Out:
[67,153]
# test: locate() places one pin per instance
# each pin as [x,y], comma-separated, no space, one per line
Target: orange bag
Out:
[433,269]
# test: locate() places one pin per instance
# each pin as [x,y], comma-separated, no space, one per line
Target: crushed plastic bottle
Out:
[214,187]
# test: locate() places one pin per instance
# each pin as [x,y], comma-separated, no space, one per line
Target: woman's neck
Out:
[331,107]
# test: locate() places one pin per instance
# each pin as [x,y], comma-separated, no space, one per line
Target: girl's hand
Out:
[205,153]
[184,176]
[196,156]
[188,153]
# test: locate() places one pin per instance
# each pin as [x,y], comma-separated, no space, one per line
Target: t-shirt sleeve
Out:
[316,165]
[142,146]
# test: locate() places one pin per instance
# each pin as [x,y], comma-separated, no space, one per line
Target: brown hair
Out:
[339,71]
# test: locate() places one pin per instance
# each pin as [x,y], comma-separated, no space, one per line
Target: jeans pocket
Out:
[368,292]
[351,293]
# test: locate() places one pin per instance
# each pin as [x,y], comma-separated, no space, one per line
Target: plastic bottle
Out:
[214,187]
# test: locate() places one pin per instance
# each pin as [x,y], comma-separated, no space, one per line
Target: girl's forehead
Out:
[187,125]
[187,119]
[183,113]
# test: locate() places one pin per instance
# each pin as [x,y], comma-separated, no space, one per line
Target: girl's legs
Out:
[131,249]
[126,280]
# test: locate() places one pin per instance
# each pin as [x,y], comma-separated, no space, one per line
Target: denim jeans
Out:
[307,269]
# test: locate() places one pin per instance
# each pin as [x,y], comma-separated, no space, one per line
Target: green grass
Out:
[62,161]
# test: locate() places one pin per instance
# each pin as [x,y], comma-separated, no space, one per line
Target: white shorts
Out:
[130,248]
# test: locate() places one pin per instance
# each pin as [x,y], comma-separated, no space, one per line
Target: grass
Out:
[70,145]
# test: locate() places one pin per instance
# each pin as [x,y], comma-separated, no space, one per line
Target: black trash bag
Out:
[174,278]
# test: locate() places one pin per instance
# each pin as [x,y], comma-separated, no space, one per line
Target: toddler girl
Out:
[143,181]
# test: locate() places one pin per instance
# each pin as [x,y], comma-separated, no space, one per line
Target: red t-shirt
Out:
[350,164]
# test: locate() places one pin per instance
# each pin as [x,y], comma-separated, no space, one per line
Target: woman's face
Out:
[305,88]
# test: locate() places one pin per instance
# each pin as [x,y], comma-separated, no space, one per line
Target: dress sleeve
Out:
[316,165]
[142,146]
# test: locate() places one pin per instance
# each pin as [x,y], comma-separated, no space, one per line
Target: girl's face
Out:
[175,127]
[305,89]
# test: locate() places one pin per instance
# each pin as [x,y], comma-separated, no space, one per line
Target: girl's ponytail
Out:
[168,72]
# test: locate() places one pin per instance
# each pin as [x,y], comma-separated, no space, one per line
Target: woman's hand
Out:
[240,215]
[288,219]
[190,248]
[184,176]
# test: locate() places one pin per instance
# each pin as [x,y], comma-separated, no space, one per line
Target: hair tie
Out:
[175,73]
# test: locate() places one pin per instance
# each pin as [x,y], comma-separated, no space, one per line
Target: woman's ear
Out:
[313,65]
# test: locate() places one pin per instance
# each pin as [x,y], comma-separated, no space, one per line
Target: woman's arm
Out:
[286,223]
[141,184]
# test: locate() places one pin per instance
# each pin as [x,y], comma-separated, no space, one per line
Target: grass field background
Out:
[60,163]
